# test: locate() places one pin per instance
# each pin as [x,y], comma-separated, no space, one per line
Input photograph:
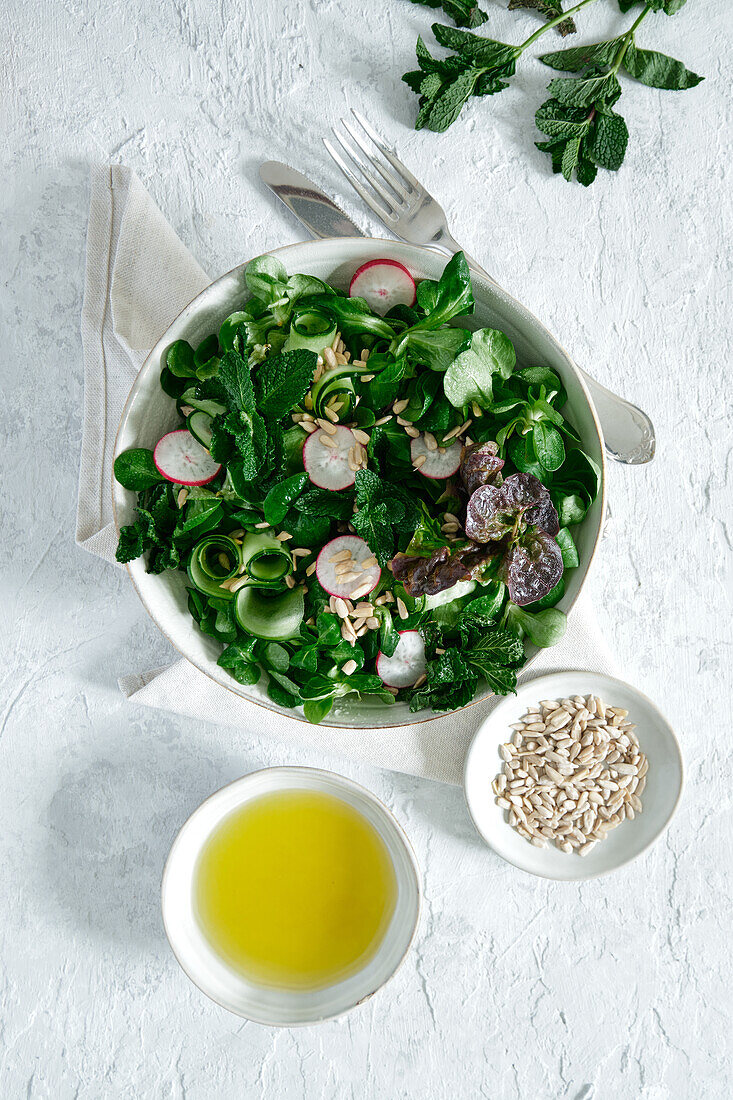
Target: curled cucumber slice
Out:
[273,616]
[207,568]
[337,383]
[264,558]
[311,330]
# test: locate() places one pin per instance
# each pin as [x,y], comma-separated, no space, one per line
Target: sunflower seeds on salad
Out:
[550,794]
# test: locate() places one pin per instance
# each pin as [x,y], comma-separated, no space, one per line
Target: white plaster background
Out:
[517,987]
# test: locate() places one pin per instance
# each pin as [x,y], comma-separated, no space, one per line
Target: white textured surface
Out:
[517,988]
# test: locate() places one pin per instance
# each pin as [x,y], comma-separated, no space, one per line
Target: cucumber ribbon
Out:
[311,330]
[261,607]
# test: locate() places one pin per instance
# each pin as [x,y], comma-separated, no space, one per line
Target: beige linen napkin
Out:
[139,277]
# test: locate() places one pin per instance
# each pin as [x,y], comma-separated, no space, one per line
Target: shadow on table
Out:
[111,823]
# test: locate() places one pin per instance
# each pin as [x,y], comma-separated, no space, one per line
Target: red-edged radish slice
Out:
[354,571]
[407,663]
[180,457]
[383,284]
[327,464]
[440,463]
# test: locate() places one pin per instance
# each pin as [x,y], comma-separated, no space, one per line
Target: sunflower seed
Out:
[567,783]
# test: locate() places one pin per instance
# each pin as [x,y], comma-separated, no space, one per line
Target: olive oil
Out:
[295,889]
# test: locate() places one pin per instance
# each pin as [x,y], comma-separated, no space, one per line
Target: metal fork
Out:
[411,213]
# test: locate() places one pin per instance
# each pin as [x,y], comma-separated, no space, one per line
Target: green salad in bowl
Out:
[364,497]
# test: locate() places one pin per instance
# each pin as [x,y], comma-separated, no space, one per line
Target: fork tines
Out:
[401,184]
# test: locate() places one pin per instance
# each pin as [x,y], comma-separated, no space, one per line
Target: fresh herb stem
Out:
[627,39]
[552,23]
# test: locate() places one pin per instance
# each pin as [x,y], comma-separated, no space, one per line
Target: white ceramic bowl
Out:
[624,843]
[226,986]
[149,413]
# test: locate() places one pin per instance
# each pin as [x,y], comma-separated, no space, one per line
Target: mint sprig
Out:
[584,132]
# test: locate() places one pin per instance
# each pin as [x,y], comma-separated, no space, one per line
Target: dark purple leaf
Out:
[532,567]
[488,514]
[426,576]
[480,465]
[493,511]
[544,515]
[443,569]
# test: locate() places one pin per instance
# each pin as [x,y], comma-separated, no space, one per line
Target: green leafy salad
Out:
[364,498]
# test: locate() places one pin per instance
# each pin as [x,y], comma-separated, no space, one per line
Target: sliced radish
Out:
[336,578]
[440,463]
[181,458]
[407,663]
[327,464]
[383,284]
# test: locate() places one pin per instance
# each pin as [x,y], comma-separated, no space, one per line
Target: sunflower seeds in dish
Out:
[572,771]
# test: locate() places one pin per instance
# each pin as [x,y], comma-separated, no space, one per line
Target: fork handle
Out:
[628,433]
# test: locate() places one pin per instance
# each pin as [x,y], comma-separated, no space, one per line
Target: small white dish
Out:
[626,842]
[228,987]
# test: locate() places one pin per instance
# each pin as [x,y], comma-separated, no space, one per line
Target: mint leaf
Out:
[324,502]
[383,510]
[464,13]
[152,531]
[443,110]
[570,157]
[607,144]
[584,93]
[372,522]
[250,437]
[136,470]
[493,645]
[446,67]
[657,70]
[283,380]
[484,53]
[558,121]
[478,68]
[493,81]
[669,7]
[487,652]
[586,172]
[550,9]
[220,447]
[368,485]
[578,58]
[133,541]
[235,377]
